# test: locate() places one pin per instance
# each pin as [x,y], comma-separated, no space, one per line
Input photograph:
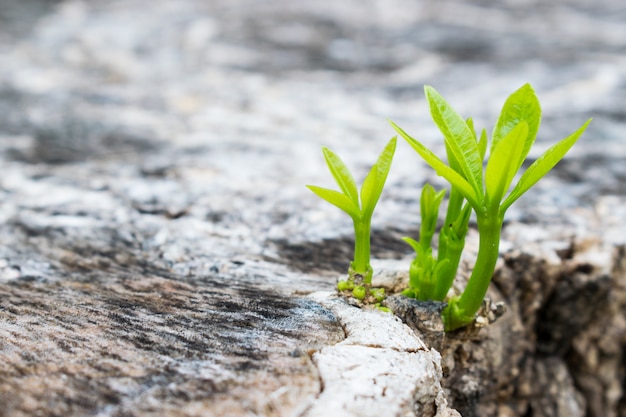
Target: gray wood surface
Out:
[160,255]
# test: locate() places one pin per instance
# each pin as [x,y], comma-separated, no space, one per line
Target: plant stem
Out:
[361,264]
[450,245]
[462,311]
[453,251]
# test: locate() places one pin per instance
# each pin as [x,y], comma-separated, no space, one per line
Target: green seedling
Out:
[360,208]
[485,188]
[431,278]
[425,270]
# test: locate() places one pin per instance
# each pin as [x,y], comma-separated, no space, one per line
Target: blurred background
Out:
[215,57]
[251,89]
[174,138]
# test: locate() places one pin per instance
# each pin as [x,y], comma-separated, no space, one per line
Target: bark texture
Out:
[160,256]
[558,350]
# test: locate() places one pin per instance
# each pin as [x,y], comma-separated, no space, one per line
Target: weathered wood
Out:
[160,256]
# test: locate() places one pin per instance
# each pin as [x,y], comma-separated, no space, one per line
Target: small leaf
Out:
[342,175]
[522,105]
[502,164]
[430,201]
[460,226]
[414,244]
[482,144]
[375,181]
[542,166]
[460,138]
[369,191]
[470,123]
[453,177]
[359,292]
[378,294]
[453,162]
[337,199]
[439,268]
[345,285]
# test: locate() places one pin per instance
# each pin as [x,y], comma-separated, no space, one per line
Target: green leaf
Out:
[430,201]
[482,144]
[453,162]
[542,166]
[460,226]
[502,166]
[470,123]
[337,199]
[522,105]
[369,192]
[342,175]
[482,141]
[453,177]
[460,138]
[375,181]
[414,244]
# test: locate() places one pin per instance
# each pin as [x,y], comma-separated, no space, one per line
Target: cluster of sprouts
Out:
[478,183]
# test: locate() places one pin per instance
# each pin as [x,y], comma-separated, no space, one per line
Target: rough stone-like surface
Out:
[381,368]
[157,244]
[558,350]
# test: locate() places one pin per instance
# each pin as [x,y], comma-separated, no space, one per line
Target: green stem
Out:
[461,311]
[361,263]
[455,202]
[453,255]
[450,244]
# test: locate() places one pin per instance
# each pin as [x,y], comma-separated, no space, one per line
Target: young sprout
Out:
[360,210]
[430,278]
[485,188]
[424,274]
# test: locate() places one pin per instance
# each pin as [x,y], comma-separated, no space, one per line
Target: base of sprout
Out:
[360,277]
[364,293]
[383,308]
[455,319]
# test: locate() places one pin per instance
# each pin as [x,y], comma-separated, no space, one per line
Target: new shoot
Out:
[431,278]
[360,207]
[486,188]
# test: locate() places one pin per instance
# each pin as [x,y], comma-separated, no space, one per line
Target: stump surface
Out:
[160,256]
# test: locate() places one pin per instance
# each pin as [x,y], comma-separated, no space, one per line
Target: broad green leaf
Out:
[337,199]
[453,177]
[452,160]
[342,175]
[542,166]
[457,133]
[375,181]
[522,105]
[501,167]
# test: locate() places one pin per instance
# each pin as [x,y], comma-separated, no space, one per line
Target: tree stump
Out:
[160,255]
